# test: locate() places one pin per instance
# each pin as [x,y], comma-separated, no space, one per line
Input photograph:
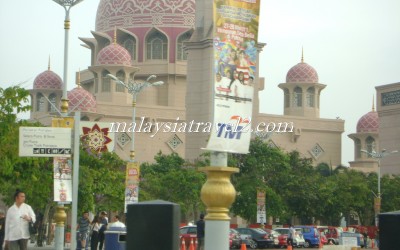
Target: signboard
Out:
[261,212]
[235,58]
[44,142]
[62,179]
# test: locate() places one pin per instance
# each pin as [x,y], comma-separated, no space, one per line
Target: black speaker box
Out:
[389,230]
[153,225]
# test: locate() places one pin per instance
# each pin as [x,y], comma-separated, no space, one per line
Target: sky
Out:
[354,45]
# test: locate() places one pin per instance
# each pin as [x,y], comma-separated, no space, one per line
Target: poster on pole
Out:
[62,179]
[235,57]
[132,184]
[261,212]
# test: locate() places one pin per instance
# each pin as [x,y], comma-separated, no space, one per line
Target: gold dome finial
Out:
[302,54]
[115,34]
[48,65]
[78,80]
[373,103]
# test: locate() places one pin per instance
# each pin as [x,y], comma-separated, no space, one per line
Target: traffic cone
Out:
[191,247]
[183,245]
[321,246]
[244,247]
[289,247]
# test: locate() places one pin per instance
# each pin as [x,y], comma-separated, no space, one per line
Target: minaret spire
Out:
[373,103]
[48,65]
[78,80]
[302,54]
[115,34]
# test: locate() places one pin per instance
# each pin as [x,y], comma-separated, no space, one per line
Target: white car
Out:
[298,240]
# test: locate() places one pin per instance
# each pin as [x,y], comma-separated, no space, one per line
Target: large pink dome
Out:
[82,100]
[47,80]
[368,122]
[302,73]
[144,13]
[114,54]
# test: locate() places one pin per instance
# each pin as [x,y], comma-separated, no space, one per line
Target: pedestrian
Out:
[116,222]
[365,234]
[18,216]
[377,238]
[103,227]
[291,235]
[83,227]
[200,232]
[94,236]
[2,228]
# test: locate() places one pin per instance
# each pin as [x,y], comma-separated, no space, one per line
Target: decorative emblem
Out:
[95,138]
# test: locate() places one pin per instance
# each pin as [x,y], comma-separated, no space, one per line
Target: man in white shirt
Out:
[17,223]
[116,222]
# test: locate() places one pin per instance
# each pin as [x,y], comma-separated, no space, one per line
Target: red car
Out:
[188,233]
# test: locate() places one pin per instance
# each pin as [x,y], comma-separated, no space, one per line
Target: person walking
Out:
[94,237]
[200,232]
[83,227]
[116,222]
[2,228]
[103,227]
[19,215]
[291,235]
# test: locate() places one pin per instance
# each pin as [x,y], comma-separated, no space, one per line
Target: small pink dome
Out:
[75,98]
[368,122]
[47,80]
[114,54]
[302,73]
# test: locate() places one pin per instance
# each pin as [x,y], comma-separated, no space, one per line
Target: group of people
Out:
[95,229]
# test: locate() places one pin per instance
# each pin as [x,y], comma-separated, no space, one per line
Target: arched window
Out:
[130,45]
[181,54]
[287,98]
[121,76]
[357,145]
[297,97]
[370,145]
[40,102]
[156,46]
[85,118]
[310,97]
[105,82]
[52,104]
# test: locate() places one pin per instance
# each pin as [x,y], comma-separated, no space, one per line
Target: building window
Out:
[52,104]
[370,145]
[287,98]
[297,97]
[121,76]
[181,54]
[130,45]
[105,82]
[357,144]
[157,46]
[310,97]
[40,103]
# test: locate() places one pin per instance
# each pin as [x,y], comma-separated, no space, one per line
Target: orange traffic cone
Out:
[183,245]
[321,246]
[191,247]
[244,247]
[289,247]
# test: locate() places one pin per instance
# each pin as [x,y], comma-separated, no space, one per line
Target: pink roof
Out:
[302,73]
[83,99]
[368,122]
[47,80]
[114,54]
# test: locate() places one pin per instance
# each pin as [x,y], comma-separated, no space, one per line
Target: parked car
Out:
[262,238]
[247,239]
[235,241]
[359,237]
[323,238]
[298,240]
[332,234]
[188,233]
[275,235]
[310,234]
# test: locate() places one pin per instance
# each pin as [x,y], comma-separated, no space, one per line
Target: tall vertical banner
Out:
[235,57]
[132,184]
[261,212]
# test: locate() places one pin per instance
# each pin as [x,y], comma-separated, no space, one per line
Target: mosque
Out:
[172,39]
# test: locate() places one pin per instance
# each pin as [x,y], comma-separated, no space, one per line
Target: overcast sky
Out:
[353,44]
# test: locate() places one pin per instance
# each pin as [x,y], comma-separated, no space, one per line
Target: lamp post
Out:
[378,156]
[134,89]
[60,215]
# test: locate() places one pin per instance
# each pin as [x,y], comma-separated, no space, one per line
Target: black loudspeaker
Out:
[389,224]
[153,225]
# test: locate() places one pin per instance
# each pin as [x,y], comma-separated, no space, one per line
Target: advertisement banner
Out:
[62,179]
[96,137]
[132,184]
[235,58]
[261,212]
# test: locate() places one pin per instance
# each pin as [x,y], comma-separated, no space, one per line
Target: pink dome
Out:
[47,80]
[114,54]
[368,122]
[144,13]
[76,96]
[302,73]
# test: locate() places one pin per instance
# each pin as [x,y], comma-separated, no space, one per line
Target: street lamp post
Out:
[378,156]
[60,215]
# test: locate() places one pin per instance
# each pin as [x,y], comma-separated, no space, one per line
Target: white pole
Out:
[75,180]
